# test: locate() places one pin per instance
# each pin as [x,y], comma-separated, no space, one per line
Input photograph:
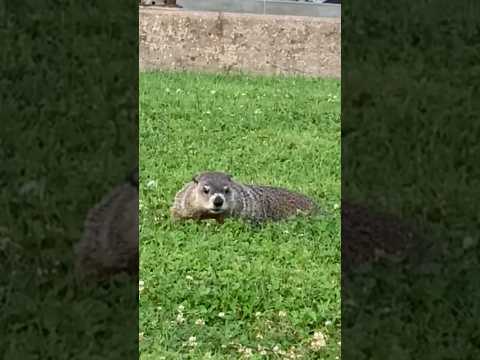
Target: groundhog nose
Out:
[218,201]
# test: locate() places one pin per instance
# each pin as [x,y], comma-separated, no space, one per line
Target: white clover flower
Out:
[180,319]
[151,184]
[192,341]
[318,341]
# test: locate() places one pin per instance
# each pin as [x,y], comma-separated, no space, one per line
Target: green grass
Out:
[276,285]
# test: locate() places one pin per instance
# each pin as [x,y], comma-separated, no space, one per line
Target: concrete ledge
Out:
[173,39]
[279,7]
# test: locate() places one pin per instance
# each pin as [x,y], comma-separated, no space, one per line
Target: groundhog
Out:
[214,195]
[110,241]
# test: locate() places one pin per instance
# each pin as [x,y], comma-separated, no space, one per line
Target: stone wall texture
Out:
[173,39]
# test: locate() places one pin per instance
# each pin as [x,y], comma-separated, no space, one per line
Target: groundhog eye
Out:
[227,190]
[206,190]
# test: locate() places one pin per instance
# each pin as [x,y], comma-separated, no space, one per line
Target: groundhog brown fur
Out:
[215,195]
[110,240]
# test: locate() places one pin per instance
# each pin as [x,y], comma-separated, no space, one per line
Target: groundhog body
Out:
[214,195]
[110,241]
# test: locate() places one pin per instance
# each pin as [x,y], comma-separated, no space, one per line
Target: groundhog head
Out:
[214,191]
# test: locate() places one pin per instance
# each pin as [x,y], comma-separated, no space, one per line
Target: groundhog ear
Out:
[229,177]
[195,179]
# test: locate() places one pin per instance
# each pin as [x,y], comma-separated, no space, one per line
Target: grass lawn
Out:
[223,292]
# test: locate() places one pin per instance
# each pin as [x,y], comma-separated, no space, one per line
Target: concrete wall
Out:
[273,7]
[173,39]
[297,8]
